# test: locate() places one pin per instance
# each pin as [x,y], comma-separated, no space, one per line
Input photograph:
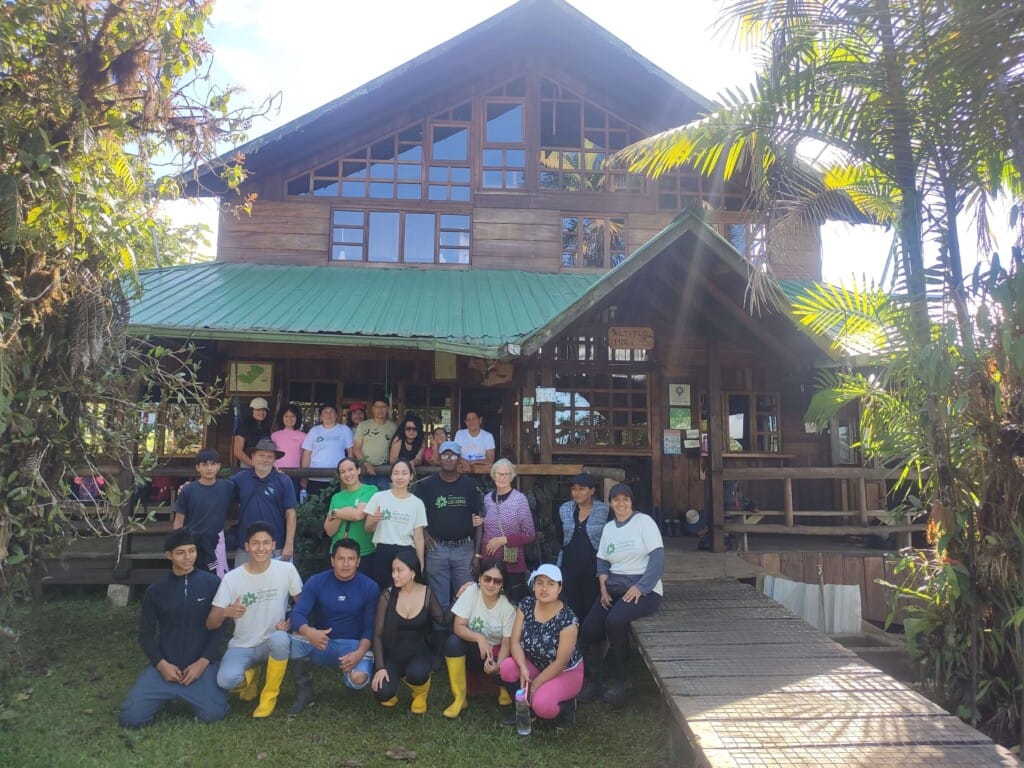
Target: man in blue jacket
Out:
[182,652]
[333,622]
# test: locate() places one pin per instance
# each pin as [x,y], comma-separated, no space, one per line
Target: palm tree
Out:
[913,109]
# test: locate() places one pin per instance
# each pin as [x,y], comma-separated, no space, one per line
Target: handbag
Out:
[508,554]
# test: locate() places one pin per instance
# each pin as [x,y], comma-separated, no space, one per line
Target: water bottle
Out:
[523,724]
[303,495]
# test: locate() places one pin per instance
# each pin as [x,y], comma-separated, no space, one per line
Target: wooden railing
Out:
[750,521]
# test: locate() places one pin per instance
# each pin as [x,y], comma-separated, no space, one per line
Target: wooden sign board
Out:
[630,337]
[250,378]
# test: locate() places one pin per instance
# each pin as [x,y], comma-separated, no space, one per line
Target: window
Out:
[400,237]
[309,396]
[590,241]
[503,160]
[577,138]
[174,429]
[751,422]
[601,410]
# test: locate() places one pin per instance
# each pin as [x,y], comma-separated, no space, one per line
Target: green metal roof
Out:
[466,311]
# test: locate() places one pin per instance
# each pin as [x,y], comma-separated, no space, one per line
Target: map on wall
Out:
[250,377]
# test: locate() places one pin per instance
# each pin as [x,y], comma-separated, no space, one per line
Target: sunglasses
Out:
[411,429]
[492,579]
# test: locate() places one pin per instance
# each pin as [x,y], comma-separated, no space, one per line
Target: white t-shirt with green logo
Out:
[493,623]
[626,548]
[265,597]
[399,518]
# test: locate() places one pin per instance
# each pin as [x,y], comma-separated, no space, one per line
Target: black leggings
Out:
[382,559]
[415,669]
[613,622]
[579,593]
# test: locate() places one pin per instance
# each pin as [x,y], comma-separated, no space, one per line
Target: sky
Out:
[312,51]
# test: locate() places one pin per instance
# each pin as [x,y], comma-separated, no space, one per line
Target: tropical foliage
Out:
[93,96]
[907,113]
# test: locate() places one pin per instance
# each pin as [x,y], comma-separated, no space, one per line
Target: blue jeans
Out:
[448,568]
[151,692]
[383,482]
[331,657]
[236,660]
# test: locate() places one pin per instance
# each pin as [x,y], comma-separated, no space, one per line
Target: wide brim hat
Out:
[266,444]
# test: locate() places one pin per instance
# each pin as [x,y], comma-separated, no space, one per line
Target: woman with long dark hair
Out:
[253,427]
[408,441]
[482,620]
[397,519]
[406,614]
[346,516]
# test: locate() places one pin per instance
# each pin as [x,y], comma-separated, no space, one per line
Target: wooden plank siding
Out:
[288,232]
[509,238]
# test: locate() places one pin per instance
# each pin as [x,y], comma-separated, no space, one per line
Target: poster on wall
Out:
[255,378]
[678,394]
[679,418]
[672,442]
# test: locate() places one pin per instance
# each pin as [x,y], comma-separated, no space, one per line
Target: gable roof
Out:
[551,27]
[469,312]
[686,224]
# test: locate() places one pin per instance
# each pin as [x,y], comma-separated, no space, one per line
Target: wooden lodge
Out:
[451,235]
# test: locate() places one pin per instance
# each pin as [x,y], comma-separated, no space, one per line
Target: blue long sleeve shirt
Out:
[347,608]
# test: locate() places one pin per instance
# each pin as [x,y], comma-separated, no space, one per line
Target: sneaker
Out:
[615,695]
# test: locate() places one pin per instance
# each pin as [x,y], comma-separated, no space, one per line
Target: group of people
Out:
[420,572]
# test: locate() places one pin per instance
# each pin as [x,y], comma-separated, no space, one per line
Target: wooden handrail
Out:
[809,473]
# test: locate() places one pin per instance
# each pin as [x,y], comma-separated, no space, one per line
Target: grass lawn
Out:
[77,658]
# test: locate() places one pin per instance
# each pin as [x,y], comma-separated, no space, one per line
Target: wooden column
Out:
[656,408]
[547,413]
[715,432]
[787,501]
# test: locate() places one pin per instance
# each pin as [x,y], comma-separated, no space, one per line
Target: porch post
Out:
[547,413]
[715,432]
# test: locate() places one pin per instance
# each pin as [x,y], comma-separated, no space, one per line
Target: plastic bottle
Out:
[523,724]
[303,495]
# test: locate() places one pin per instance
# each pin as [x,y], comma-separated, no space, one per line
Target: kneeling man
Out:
[256,596]
[334,619]
[182,652]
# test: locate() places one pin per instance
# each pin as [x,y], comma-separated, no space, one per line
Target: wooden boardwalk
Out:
[751,685]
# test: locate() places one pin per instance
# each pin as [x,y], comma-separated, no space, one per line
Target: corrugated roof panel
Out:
[473,311]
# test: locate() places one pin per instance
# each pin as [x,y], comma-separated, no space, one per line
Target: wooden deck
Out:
[749,684]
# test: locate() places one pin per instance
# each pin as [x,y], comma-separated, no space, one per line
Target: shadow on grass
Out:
[78,658]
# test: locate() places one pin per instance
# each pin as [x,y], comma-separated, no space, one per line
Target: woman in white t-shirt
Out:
[396,518]
[481,633]
[630,564]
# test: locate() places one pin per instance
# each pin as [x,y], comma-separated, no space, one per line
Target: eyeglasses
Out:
[492,580]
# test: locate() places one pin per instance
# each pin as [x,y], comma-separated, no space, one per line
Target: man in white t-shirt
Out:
[475,443]
[255,595]
[325,445]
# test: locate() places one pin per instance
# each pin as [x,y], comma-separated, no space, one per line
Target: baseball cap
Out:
[259,402]
[550,570]
[450,445]
[620,489]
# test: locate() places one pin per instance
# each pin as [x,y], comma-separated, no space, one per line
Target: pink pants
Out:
[545,700]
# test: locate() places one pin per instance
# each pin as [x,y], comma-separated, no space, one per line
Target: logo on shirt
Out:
[319,439]
[610,549]
[249,598]
[341,598]
[441,502]
[385,514]
[476,624]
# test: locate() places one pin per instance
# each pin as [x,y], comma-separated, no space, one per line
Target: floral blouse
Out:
[540,639]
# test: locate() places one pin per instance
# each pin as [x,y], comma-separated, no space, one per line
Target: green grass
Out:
[78,657]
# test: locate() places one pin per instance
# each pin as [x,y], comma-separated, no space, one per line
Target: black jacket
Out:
[172,623]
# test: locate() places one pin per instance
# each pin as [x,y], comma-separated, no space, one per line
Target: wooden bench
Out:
[747,683]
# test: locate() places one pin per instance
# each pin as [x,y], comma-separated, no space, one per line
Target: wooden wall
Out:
[277,232]
[508,238]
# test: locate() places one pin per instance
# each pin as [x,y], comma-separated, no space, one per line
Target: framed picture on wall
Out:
[250,378]
[679,418]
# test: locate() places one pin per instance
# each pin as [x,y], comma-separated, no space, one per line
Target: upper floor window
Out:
[400,237]
[429,160]
[577,138]
[593,241]
[503,153]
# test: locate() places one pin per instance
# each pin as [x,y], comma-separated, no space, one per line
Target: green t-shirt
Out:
[354,529]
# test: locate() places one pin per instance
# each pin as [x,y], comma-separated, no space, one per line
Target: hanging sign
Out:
[630,337]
